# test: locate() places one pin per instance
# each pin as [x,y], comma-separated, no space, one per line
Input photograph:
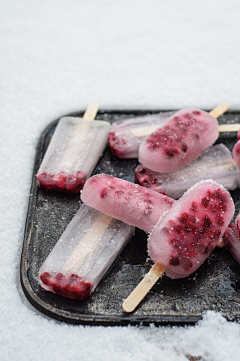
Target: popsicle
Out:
[180,139]
[231,240]
[186,235]
[74,150]
[215,162]
[126,201]
[84,253]
[236,152]
[126,135]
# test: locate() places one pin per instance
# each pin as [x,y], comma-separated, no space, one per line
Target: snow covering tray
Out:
[214,286]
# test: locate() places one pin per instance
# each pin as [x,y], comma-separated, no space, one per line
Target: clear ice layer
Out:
[83,254]
[179,140]
[76,146]
[188,233]
[215,162]
[126,135]
[129,202]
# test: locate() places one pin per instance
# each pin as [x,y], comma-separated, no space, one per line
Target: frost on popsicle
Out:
[179,140]
[75,148]
[126,201]
[185,237]
[83,254]
[215,162]
[126,135]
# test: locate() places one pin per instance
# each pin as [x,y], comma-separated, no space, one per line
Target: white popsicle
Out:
[126,135]
[75,148]
[83,254]
[215,162]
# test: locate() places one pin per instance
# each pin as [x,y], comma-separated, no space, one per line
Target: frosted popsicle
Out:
[129,202]
[75,148]
[186,235]
[126,135]
[84,253]
[179,140]
[236,152]
[215,162]
[231,241]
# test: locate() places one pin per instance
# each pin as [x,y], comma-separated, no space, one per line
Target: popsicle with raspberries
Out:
[75,148]
[126,201]
[84,253]
[185,236]
[180,139]
[126,135]
[236,153]
[215,162]
[231,238]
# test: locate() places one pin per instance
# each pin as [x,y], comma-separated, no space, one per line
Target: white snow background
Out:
[57,56]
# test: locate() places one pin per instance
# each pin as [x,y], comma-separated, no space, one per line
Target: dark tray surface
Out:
[214,286]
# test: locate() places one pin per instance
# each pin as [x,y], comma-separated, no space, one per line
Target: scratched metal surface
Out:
[214,286]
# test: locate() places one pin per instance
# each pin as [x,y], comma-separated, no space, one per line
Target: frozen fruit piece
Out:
[215,162]
[84,253]
[126,201]
[187,234]
[126,135]
[179,140]
[231,240]
[75,148]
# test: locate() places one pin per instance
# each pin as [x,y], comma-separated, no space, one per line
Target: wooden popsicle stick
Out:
[224,128]
[219,110]
[91,111]
[228,128]
[143,288]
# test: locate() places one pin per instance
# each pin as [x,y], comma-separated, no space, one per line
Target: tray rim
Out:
[62,315]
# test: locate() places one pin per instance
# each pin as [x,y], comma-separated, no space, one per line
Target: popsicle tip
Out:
[128,307]
[143,288]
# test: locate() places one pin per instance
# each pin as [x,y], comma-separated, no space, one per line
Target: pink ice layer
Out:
[126,201]
[231,241]
[179,140]
[67,286]
[71,184]
[236,152]
[187,234]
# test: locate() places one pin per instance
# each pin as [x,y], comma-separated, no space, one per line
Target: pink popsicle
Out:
[126,201]
[236,152]
[179,140]
[231,238]
[231,241]
[185,236]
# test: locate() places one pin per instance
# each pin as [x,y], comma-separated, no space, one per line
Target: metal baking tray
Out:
[214,286]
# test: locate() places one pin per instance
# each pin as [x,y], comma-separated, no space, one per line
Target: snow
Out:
[55,58]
